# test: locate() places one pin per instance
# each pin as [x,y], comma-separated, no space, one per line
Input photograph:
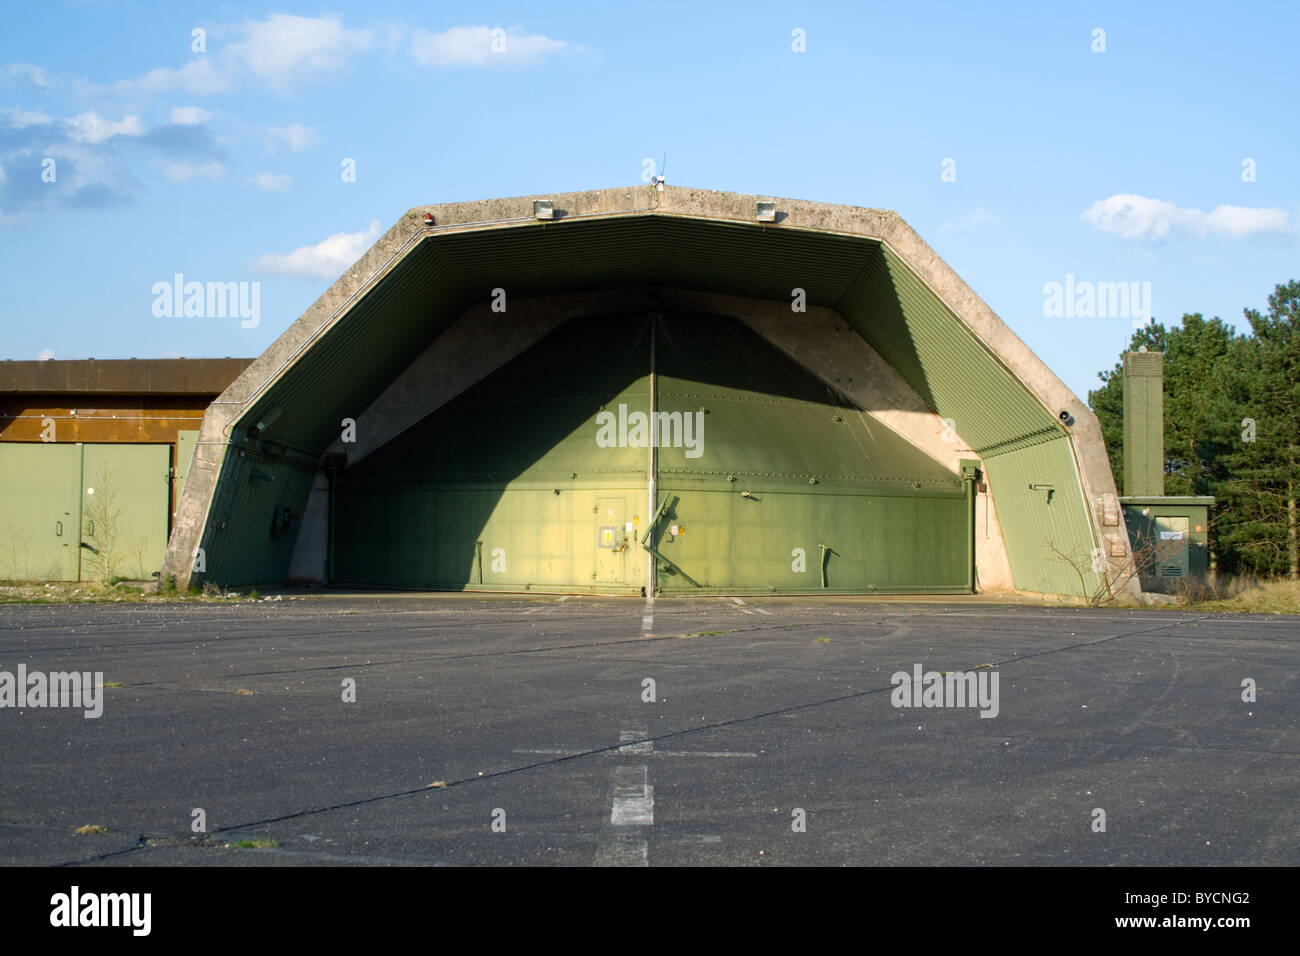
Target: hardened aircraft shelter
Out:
[653,390]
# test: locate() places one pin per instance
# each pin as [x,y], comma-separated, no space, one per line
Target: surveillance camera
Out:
[1065,417]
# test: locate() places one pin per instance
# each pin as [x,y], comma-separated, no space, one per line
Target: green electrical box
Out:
[1169,538]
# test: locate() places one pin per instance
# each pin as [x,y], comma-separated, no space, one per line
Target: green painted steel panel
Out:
[1049,541]
[751,412]
[247,541]
[510,485]
[533,419]
[772,541]
[506,485]
[956,376]
[39,511]
[115,495]
[125,492]
[505,537]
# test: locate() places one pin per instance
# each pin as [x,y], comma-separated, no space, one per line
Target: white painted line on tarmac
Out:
[701,753]
[634,797]
[739,602]
[640,747]
[622,841]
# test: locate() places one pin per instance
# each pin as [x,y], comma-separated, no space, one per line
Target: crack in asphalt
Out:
[652,739]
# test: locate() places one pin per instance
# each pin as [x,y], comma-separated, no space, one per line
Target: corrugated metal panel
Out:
[341,373]
[955,375]
[445,274]
[244,542]
[1048,538]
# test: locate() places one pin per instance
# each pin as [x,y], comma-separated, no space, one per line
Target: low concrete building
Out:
[651,390]
[93,457]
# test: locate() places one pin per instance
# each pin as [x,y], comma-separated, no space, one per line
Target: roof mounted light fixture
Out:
[428,219]
[766,212]
[269,418]
[543,209]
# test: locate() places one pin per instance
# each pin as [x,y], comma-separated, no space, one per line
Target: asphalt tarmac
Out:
[542,730]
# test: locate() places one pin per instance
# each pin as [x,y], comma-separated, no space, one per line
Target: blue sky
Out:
[1122,165]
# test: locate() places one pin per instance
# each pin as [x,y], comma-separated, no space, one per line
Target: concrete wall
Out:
[1089,450]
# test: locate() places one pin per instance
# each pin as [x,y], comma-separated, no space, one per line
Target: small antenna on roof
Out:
[662,177]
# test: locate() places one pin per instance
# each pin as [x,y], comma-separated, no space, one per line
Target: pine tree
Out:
[1265,473]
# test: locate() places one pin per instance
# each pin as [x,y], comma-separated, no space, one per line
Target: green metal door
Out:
[39,511]
[769,479]
[124,510]
[773,481]
[1171,546]
[613,540]
[72,512]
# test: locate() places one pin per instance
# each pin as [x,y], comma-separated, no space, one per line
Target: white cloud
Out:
[93,128]
[46,355]
[271,182]
[18,117]
[328,259]
[30,73]
[1137,217]
[190,116]
[972,220]
[285,49]
[184,172]
[282,51]
[473,46]
[1238,221]
[295,135]
[201,76]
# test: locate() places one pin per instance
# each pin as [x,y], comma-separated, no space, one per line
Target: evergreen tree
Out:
[1263,474]
[1232,427]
